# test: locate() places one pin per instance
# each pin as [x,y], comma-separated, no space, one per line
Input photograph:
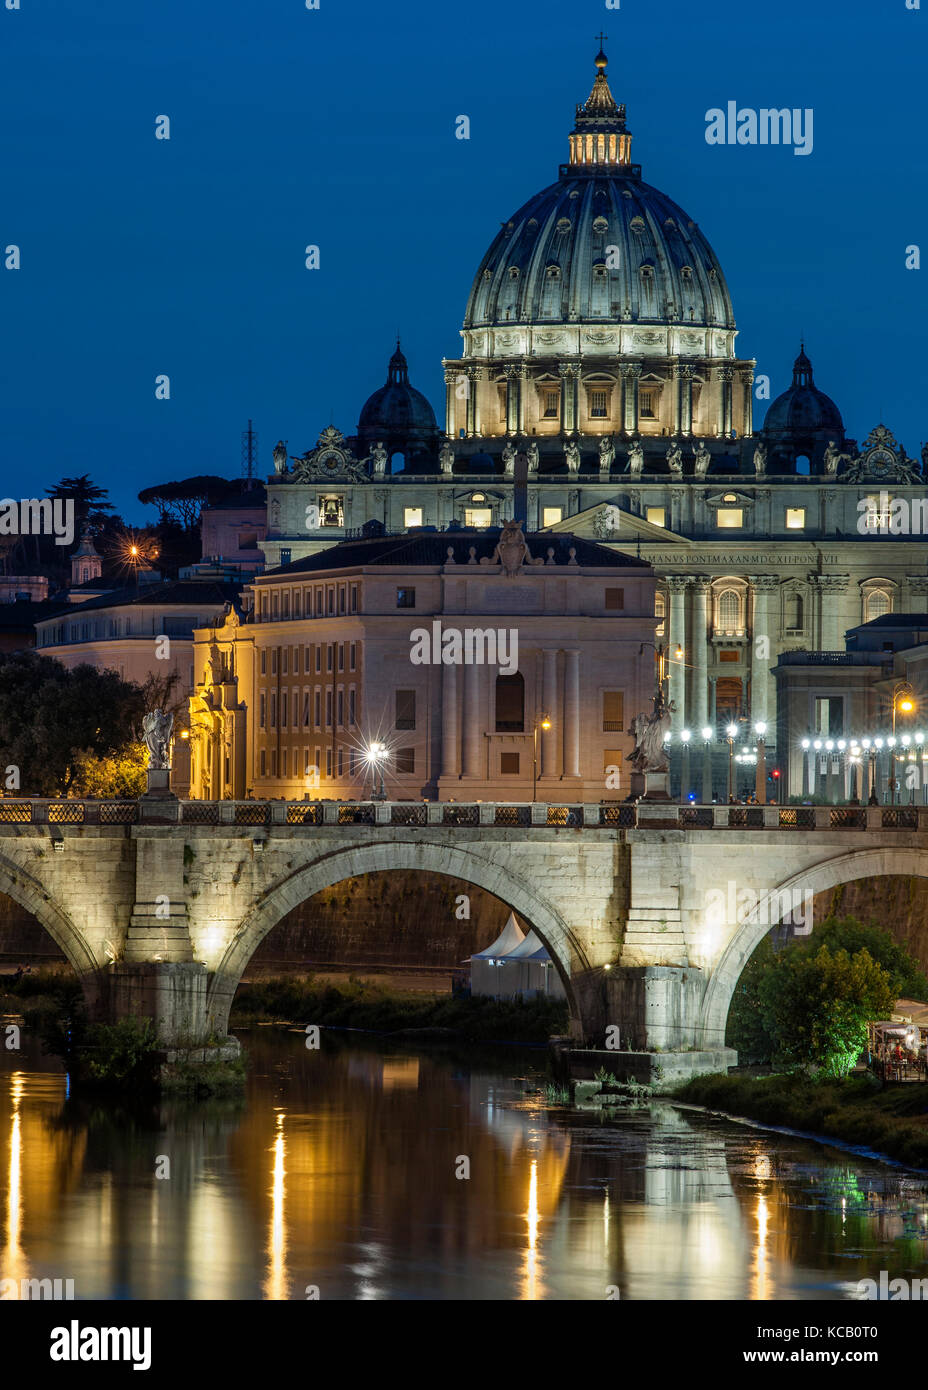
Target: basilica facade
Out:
[599,392]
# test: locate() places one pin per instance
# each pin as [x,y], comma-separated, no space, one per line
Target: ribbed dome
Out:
[397,414]
[552,262]
[803,412]
[599,244]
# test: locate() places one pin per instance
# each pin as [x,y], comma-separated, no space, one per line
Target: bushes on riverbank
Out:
[856,1109]
[363,1005]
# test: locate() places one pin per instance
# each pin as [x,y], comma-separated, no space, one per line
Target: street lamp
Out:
[760,777]
[904,702]
[707,733]
[377,756]
[543,723]
[731,733]
[685,737]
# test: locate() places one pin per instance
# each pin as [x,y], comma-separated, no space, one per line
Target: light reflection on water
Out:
[339,1169]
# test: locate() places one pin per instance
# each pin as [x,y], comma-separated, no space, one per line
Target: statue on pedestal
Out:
[703,459]
[635,458]
[650,753]
[379,459]
[606,454]
[675,459]
[280,457]
[509,459]
[572,454]
[156,734]
[760,458]
[532,452]
[446,457]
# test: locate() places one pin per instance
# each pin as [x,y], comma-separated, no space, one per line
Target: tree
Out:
[818,1006]
[182,501]
[49,716]
[89,500]
[747,1029]
[119,775]
[907,979]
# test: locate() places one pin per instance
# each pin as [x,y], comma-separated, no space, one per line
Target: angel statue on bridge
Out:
[157,727]
[649,732]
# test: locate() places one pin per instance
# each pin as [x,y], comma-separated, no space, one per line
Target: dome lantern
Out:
[599,136]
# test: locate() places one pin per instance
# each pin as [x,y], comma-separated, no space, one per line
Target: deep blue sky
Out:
[336,127]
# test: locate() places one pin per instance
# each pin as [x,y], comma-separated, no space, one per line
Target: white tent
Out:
[529,970]
[484,967]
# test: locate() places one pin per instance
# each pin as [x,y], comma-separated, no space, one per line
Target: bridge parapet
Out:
[452,814]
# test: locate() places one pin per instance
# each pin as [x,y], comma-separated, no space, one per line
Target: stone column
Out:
[451,378]
[677,584]
[572,713]
[684,379]
[747,402]
[713,709]
[450,761]
[763,585]
[549,707]
[631,376]
[470,411]
[725,379]
[699,648]
[568,374]
[512,399]
[831,626]
[472,720]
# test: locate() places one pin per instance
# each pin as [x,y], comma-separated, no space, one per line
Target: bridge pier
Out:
[170,993]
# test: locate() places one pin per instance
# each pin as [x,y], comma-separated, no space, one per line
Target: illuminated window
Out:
[613,702]
[660,612]
[878,603]
[646,403]
[598,405]
[729,517]
[795,518]
[729,610]
[478,516]
[550,516]
[656,515]
[412,516]
[551,404]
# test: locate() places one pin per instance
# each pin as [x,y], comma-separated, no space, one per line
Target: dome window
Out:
[600,225]
[487,275]
[563,224]
[599,270]
[646,272]
[552,272]
[638,225]
[513,272]
[687,273]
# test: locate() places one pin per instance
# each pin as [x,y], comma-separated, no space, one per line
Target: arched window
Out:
[794,612]
[510,704]
[729,610]
[878,603]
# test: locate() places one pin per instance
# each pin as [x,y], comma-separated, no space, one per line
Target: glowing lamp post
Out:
[731,733]
[543,723]
[760,776]
[707,733]
[377,756]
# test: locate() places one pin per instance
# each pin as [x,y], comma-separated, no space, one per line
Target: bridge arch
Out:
[419,855]
[19,885]
[886,862]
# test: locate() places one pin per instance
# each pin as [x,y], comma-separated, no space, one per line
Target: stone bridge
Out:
[650,912]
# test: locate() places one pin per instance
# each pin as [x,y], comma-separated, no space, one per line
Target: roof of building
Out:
[182,593]
[435,549]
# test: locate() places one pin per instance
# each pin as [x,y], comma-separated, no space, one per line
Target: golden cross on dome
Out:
[602,39]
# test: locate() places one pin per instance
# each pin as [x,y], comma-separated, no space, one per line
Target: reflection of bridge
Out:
[159,904]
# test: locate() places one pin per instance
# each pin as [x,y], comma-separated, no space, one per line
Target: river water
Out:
[343,1171]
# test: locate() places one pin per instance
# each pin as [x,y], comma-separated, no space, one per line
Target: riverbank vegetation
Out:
[360,1004]
[855,1109]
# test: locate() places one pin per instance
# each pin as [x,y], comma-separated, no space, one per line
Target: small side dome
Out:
[398,416]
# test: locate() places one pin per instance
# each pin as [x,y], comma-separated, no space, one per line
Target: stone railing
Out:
[644,815]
